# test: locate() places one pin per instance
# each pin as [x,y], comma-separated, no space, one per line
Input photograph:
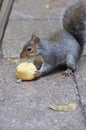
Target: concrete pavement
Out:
[25,105]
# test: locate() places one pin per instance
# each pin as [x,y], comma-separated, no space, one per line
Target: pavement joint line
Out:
[4,16]
[1,1]
[79,100]
[36,19]
[83,55]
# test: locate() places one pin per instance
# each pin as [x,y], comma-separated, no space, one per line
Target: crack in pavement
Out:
[79,100]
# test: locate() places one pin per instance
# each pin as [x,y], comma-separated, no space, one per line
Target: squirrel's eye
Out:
[29,49]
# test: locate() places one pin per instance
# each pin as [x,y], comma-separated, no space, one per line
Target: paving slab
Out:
[19,32]
[39,9]
[28,17]
[25,105]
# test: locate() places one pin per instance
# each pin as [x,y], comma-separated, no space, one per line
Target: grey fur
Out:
[69,42]
[67,50]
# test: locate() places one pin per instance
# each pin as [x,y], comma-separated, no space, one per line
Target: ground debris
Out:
[14,60]
[64,108]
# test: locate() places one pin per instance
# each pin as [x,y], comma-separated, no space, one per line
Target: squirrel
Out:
[68,46]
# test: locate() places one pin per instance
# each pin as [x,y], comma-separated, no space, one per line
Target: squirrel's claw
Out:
[68,72]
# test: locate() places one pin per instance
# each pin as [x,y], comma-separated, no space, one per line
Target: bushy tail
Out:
[74,21]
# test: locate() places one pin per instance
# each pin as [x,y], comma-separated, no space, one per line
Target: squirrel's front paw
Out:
[37,74]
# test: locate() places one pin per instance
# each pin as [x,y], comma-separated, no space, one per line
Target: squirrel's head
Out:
[31,48]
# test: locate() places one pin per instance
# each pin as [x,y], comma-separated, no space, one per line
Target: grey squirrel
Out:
[69,44]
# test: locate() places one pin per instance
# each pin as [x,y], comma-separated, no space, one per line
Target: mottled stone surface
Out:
[25,105]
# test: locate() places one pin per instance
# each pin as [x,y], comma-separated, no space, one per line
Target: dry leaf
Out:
[64,108]
[61,76]
[14,60]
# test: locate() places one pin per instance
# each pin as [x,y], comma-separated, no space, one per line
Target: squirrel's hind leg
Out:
[72,64]
[68,72]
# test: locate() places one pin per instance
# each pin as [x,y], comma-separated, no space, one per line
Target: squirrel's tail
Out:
[74,21]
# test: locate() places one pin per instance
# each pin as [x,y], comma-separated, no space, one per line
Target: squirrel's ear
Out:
[37,41]
[33,37]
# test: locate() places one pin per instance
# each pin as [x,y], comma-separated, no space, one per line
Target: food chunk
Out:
[26,71]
